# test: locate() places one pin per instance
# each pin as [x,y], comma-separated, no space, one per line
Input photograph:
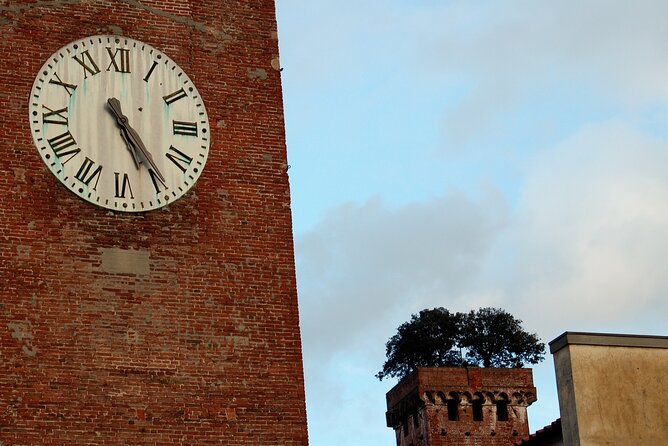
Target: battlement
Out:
[463,406]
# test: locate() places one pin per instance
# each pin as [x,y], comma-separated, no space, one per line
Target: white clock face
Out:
[119,123]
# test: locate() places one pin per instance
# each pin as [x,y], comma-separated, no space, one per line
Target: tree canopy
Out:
[488,337]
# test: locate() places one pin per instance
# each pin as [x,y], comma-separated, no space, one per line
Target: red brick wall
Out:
[194,338]
[418,406]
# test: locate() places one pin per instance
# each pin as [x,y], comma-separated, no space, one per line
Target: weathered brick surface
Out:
[418,406]
[174,327]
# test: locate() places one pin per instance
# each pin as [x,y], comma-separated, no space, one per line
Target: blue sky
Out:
[465,154]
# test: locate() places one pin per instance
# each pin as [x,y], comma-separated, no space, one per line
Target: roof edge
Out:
[607,339]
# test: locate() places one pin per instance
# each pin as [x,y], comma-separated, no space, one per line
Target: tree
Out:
[494,338]
[428,339]
[488,337]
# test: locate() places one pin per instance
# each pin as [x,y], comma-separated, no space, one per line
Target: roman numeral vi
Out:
[122,185]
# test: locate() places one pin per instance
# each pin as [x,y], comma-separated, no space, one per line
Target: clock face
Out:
[119,123]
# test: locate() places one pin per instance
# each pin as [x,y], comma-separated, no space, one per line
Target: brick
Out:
[436,406]
[173,327]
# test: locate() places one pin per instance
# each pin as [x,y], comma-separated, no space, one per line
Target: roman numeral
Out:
[61,146]
[54,116]
[179,158]
[150,71]
[90,67]
[122,186]
[179,94]
[185,128]
[65,85]
[85,175]
[123,64]
[157,182]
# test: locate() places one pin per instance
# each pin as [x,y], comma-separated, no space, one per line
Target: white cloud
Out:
[591,232]
[588,236]
[362,262]
[508,55]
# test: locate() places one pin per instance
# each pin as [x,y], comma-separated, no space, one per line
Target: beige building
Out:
[612,389]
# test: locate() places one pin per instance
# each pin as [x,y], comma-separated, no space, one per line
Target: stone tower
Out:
[461,406]
[174,326]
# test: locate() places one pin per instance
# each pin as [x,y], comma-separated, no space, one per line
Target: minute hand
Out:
[133,137]
[121,120]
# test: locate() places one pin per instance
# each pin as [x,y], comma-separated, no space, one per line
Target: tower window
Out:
[477,410]
[453,410]
[502,410]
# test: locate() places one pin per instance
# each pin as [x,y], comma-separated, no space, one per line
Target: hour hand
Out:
[115,107]
[122,121]
[140,153]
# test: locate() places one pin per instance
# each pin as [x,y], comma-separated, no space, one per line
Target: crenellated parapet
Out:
[466,397]
[461,405]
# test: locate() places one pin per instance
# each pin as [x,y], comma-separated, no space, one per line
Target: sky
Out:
[466,154]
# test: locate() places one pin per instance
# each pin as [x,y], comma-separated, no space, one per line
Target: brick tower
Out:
[174,326]
[461,406]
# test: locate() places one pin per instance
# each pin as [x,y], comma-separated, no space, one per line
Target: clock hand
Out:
[146,155]
[122,121]
[139,151]
[130,147]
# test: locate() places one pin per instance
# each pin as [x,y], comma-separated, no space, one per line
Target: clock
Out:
[119,123]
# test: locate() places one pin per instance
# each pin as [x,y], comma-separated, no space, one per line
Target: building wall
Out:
[550,435]
[435,406]
[611,389]
[178,326]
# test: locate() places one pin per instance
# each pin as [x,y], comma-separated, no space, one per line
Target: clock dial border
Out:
[181,143]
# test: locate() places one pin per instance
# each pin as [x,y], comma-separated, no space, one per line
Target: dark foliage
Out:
[488,337]
[428,339]
[494,338]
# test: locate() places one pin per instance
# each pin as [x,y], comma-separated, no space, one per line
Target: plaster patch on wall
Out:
[22,332]
[259,73]
[5,21]
[23,252]
[39,4]
[276,64]
[230,414]
[20,174]
[199,26]
[29,350]
[111,29]
[125,261]
[132,336]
